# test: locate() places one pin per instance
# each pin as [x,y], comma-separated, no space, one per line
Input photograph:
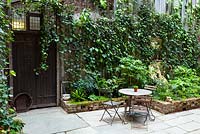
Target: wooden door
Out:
[26,58]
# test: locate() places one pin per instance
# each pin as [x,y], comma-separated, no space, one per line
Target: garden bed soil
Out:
[160,106]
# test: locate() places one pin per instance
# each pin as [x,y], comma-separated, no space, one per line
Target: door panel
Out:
[26,58]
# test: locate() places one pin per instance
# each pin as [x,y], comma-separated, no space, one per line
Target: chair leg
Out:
[105,110]
[116,113]
[113,116]
[151,115]
[147,115]
[116,110]
[102,115]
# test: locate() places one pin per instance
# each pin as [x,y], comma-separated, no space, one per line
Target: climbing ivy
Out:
[146,35]
[97,45]
[7,123]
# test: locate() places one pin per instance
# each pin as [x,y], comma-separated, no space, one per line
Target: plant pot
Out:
[135,89]
[66,97]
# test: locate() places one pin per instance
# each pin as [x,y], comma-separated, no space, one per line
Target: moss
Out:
[101,99]
[80,103]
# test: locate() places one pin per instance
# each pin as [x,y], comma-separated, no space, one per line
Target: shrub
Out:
[78,95]
[93,97]
[163,90]
[133,71]
[87,83]
[184,84]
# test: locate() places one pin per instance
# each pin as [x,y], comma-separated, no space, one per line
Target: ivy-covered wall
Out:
[100,5]
[96,46]
[147,36]
[7,122]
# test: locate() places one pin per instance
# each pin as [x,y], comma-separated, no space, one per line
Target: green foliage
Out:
[102,4]
[53,11]
[16,127]
[146,35]
[110,85]
[93,97]
[185,84]
[173,44]
[7,124]
[5,36]
[87,83]
[97,45]
[102,85]
[133,71]
[198,70]
[162,91]
[78,95]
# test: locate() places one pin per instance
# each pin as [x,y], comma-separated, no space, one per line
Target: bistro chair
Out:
[111,107]
[141,106]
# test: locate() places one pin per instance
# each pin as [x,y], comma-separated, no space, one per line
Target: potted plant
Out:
[135,88]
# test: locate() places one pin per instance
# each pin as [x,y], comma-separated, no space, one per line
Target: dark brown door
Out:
[26,58]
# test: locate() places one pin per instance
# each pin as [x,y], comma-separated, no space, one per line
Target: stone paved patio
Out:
[50,120]
[186,122]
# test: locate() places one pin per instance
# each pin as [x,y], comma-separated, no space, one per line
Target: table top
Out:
[130,92]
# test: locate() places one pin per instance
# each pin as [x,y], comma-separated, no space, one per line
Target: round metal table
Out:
[130,92]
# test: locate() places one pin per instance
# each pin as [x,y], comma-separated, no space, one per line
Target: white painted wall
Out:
[160,6]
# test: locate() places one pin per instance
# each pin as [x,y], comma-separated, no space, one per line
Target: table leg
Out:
[127,105]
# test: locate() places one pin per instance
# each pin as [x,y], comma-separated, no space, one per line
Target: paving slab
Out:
[168,117]
[190,126]
[194,117]
[183,113]
[57,121]
[158,126]
[158,133]
[195,132]
[195,111]
[50,120]
[87,130]
[175,130]
[177,121]
[114,129]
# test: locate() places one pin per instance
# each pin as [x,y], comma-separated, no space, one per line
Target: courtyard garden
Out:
[126,47]
[138,47]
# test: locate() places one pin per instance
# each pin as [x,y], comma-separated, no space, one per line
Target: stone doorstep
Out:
[160,106]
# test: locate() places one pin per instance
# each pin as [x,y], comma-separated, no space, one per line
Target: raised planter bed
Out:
[160,106]
[85,106]
[175,106]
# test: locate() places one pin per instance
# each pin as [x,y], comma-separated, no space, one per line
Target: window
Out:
[24,21]
[18,18]
[34,23]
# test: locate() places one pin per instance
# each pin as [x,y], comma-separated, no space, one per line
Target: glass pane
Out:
[19,22]
[18,19]
[34,23]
